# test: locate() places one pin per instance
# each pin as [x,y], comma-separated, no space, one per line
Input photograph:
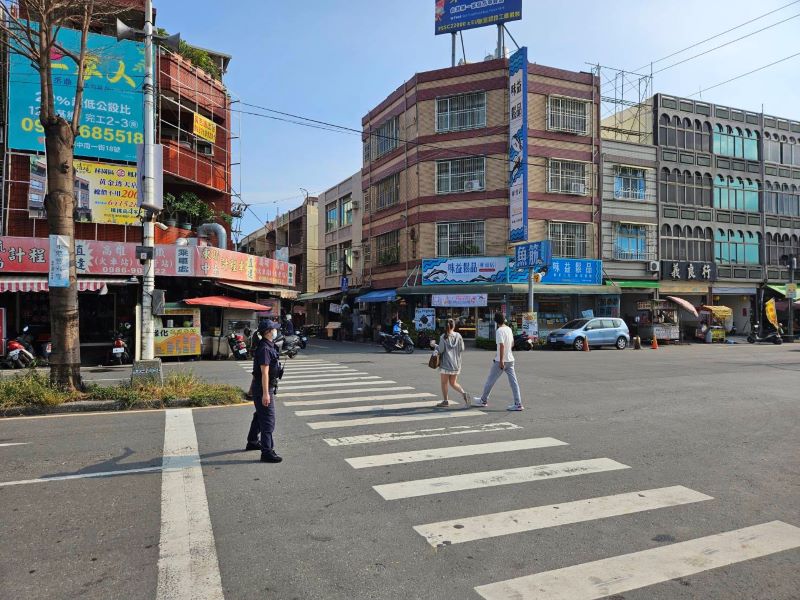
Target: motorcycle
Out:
[237,345]
[12,361]
[773,336]
[522,341]
[119,351]
[288,345]
[22,357]
[390,344]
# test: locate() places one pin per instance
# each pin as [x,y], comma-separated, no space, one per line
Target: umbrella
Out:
[684,304]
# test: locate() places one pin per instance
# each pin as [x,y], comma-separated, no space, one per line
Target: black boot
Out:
[252,446]
[270,457]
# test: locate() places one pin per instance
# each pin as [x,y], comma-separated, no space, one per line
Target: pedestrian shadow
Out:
[110,465]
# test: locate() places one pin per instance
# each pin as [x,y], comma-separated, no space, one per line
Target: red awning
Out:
[39,284]
[684,304]
[225,302]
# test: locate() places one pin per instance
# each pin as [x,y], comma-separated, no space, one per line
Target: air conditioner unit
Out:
[356,252]
[472,186]
[578,188]
[653,266]
[356,204]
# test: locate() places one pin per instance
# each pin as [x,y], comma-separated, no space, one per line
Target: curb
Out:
[81,406]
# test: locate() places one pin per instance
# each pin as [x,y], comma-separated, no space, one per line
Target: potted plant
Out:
[170,210]
[188,209]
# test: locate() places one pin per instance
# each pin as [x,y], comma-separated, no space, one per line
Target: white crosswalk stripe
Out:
[347,391]
[393,419]
[458,531]
[325,369]
[418,434]
[289,388]
[484,479]
[398,458]
[619,574]
[357,399]
[315,376]
[344,410]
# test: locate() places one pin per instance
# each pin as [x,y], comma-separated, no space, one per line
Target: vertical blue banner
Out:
[518,146]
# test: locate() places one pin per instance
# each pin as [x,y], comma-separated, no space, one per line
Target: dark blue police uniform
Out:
[264,418]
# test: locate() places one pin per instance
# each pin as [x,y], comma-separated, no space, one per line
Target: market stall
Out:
[714,322]
[658,319]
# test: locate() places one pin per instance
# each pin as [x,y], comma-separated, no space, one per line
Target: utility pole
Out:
[148,180]
[792,262]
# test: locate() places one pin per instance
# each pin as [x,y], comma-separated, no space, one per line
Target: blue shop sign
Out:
[565,271]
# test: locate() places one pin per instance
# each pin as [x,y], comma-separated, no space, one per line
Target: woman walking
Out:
[450,348]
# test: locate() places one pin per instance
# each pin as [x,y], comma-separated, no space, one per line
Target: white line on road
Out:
[397,458]
[80,476]
[484,479]
[357,399]
[458,531]
[348,391]
[7,444]
[344,410]
[372,438]
[330,368]
[396,419]
[619,574]
[346,383]
[187,564]
[306,377]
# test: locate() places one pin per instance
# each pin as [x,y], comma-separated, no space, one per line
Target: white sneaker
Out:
[476,401]
[516,407]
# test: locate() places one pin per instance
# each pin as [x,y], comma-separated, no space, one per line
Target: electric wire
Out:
[761,68]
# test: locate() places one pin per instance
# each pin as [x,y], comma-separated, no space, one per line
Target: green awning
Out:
[781,289]
[634,283]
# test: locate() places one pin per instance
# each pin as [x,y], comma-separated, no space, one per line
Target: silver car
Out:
[600,332]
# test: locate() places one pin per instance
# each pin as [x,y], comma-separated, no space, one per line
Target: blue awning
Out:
[378,296]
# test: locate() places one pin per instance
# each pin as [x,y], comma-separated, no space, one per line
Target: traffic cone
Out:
[586,345]
[654,343]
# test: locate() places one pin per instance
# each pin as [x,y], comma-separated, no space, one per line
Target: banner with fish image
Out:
[458,271]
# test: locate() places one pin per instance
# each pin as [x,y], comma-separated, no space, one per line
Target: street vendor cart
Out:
[658,319]
[714,322]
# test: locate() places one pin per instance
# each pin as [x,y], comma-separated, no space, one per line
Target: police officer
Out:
[266,372]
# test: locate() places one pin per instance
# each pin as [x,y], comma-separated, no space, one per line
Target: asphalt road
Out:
[681,461]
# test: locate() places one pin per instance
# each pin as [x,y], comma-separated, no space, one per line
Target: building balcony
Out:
[179,77]
[187,164]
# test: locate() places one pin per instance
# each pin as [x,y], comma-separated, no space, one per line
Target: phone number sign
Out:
[112,115]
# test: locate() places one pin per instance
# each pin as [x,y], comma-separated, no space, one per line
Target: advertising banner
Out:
[530,325]
[771,313]
[565,271]
[31,255]
[518,146]
[112,113]
[460,300]
[425,318]
[182,336]
[532,255]
[204,128]
[486,269]
[457,15]
[58,274]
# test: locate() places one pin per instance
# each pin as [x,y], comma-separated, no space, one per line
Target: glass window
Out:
[460,238]
[346,251]
[331,260]
[331,220]
[736,247]
[569,240]
[566,177]
[388,192]
[387,248]
[460,175]
[631,242]
[458,113]
[346,211]
[772,149]
[629,183]
[385,138]
[733,194]
[566,114]
[751,145]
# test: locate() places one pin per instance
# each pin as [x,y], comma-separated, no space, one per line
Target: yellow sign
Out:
[205,128]
[791,291]
[181,334]
[772,314]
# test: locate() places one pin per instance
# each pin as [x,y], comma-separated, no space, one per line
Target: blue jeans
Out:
[263,420]
[494,375]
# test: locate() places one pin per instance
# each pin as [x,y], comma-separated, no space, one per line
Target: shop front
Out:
[691,285]
[785,306]
[740,298]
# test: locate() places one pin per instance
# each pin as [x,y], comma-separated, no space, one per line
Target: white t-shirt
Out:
[504,336]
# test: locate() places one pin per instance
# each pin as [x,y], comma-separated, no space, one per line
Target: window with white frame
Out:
[629,183]
[460,175]
[460,238]
[386,137]
[458,113]
[630,242]
[331,260]
[569,240]
[566,177]
[346,211]
[387,192]
[567,114]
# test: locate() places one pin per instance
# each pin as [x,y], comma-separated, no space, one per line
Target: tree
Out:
[30,28]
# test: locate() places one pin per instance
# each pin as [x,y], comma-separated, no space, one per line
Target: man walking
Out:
[503,362]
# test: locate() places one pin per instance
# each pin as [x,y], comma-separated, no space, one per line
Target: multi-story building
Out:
[729,206]
[435,178]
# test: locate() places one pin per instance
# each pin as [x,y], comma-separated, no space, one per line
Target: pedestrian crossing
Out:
[331,396]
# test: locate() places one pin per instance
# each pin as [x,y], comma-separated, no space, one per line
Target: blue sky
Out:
[333,60]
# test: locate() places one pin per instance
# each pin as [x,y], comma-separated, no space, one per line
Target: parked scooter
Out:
[390,343]
[11,360]
[23,358]
[119,351]
[522,341]
[237,345]
[288,345]
[773,337]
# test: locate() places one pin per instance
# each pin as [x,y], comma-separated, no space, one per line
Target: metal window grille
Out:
[634,242]
[332,261]
[566,177]
[460,238]
[385,138]
[629,183]
[458,113]
[366,250]
[331,220]
[460,175]
[388,192]
[569,240]
[566,114]
[387,248]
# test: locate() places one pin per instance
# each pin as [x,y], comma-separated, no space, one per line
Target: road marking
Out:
[331,368]
[484,479]
[187,564]
[394,419]
[458,531]
[394,436]
[397,458]
[324,376]
[80,476]
[619,574]
[345,383]
[7,444]
[349,391]
[357,399]
[359,409]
